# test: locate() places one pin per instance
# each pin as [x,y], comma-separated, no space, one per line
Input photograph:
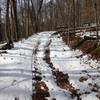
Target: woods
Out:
[49,49]
[18,19]
[22,18]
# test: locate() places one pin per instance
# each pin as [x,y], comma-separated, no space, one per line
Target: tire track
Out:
[40,89]
[61,79]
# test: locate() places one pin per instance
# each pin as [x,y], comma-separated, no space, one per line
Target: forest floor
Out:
[84,42]
[44,67]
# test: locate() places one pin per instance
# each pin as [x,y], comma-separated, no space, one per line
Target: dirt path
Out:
[60,73]
[40,90]
[81,72]
[43,67]
[61,79]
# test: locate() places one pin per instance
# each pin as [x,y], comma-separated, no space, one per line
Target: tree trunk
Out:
[8,34]
[0,26]
[15,18]
[96,20]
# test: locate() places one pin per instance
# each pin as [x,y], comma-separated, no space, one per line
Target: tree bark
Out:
[0,26]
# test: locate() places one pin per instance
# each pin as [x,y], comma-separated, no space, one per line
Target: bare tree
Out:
[96,18]
[14,2]
[8,34]
[0,26]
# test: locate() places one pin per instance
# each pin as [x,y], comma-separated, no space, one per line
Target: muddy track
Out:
[60,78]
[40,90]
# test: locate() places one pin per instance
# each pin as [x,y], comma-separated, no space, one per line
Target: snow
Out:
[54,90]
[65,61]
[90,97]
[90,34]
[15,71]
[16,66]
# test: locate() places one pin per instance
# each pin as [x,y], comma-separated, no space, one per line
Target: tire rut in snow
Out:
[93,86]
[61,79]
[40,90]
[47,56]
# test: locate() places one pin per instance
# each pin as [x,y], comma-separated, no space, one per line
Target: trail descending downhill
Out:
[43,67]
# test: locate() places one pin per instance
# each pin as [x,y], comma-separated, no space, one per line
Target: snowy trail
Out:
[66,61]
[15,71]
[46,72]
[20,67]
[84,74]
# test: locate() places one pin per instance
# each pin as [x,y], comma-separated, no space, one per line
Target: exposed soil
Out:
[40,90]
[61,79]
[3,52]
[7,46]
[63,82]
[96,88]
[47,58]
[82,79]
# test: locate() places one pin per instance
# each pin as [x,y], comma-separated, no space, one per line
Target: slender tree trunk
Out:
[96,19]
[0,26]
[28,18]
[74,15]
[7,33]
[34,16]
[15,18]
